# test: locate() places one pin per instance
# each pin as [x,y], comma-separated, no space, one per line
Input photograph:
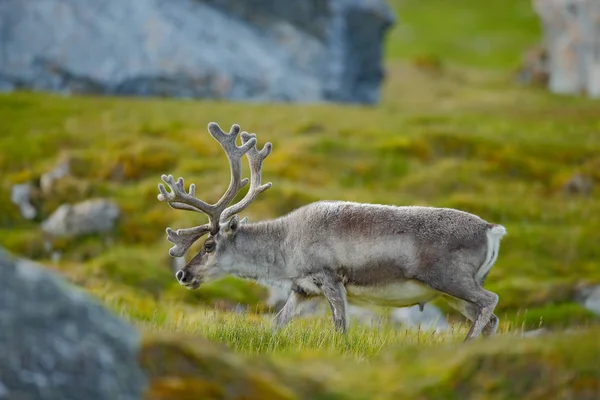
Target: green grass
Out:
[452,130]
[506,368]
[250,331]
[250,334]
[491,34]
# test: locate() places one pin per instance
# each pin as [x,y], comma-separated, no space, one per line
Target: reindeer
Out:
[379,254]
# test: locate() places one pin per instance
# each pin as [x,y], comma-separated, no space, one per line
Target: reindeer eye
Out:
[209,247]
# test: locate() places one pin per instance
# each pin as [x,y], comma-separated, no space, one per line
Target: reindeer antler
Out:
[178,198]
[255,159]
[185,238]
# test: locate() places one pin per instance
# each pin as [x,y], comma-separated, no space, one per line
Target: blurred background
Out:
[489,107]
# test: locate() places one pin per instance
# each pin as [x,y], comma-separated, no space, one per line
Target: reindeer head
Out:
[223,223]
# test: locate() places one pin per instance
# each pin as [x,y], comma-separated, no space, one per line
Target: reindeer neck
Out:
[259,251]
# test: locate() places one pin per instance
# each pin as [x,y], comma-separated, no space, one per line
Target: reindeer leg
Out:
[285,315]
[492,326]
[475,302]
[335,293]
[470,312]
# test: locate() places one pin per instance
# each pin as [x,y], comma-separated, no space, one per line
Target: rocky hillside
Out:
[260,50]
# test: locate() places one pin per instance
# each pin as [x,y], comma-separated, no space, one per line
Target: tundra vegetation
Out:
[452,130]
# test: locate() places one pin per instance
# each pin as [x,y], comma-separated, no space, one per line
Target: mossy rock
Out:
[556,366]
[67,190]
[561,366]
[184,368]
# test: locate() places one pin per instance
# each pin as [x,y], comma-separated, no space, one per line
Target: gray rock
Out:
[536,333]
[21,196]
[431,318]
[267,50]
[572,39]
[47,179]
[58,343]
[535,68]
[589,297]
[88,217]
[363,316]
[318,307]
[579,184]
[277,297]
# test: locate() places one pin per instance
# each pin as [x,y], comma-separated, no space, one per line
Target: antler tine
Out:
[185,238]
[178,198]
[234,155]
[255,159]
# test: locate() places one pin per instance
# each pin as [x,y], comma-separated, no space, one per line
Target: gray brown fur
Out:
[382,254]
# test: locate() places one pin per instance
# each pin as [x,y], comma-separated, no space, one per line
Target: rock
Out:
[579,184]
[277,297]
[535,333]
[431,318]
[186,367]
[21,196]
[58,343]
[507,368]
[534,69]
[60,171]
[589,297]
[267,50]
[354,49]
[317,307]
[363,316]
[88,217]
[572,39]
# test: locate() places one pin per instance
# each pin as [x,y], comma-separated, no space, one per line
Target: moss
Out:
[503,30]
[142,268]
[133,304]
[181,367]
[139,160]
[290,198]
[67,190]
[227,292]
[144,219]
[26,242]
[557,367]
[552,315]
[551,367]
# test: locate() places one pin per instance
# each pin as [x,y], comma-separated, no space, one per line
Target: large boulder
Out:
[572,42]
[589,297]
[58,343]
[88,217]
[265,50]
[429,318]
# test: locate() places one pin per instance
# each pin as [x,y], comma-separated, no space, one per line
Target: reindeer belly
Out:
[398,294]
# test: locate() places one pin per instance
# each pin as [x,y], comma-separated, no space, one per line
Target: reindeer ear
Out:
[231,226]
[244,220]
